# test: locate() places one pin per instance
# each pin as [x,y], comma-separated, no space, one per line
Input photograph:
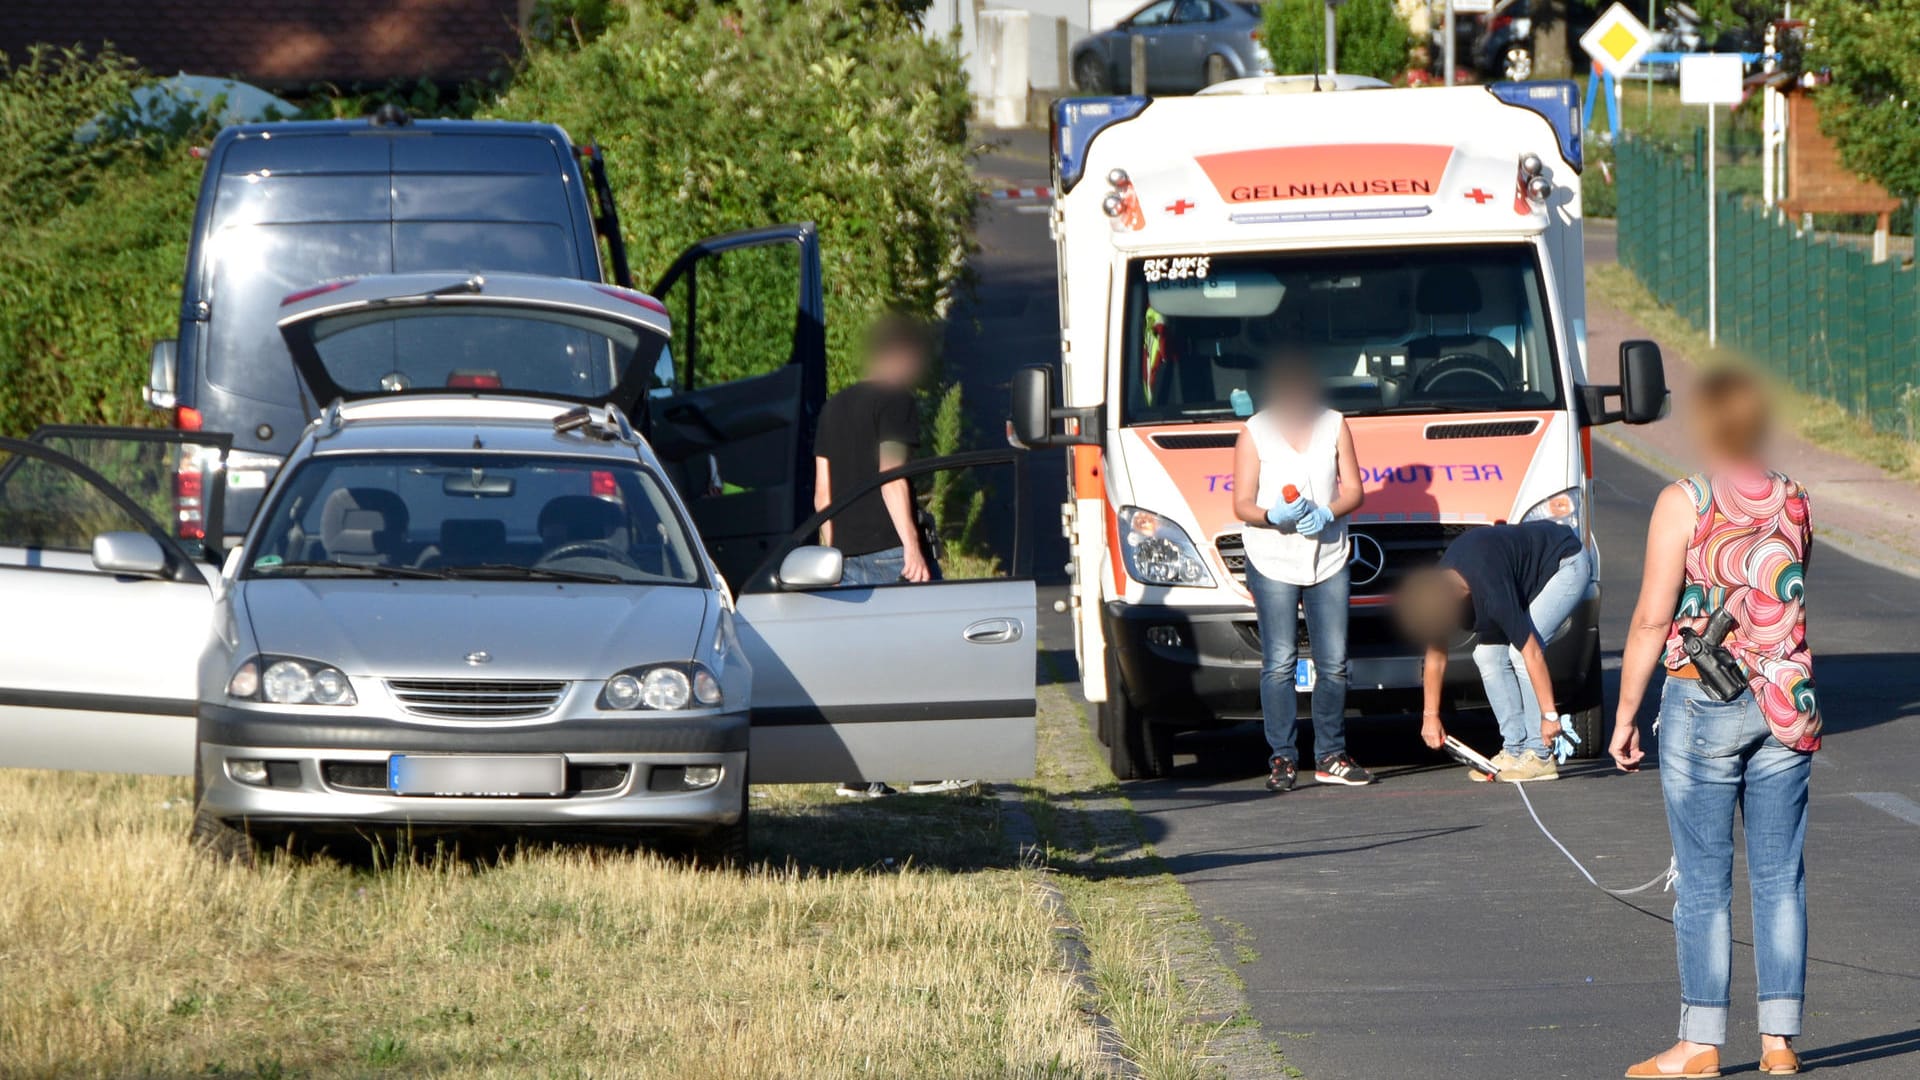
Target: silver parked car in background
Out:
[1190,44]
[472,597]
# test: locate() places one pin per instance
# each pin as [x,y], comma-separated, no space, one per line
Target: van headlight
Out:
[286,680]
[661,687]
[1158,552]
[1562,507]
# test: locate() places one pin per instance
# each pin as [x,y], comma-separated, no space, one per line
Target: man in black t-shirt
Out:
[865,430]
[1512,585]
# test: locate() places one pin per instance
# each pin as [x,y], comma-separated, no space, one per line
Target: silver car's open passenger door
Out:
[106,609]
[898,681]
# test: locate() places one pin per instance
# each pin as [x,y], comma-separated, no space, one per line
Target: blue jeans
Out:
[881,568]
[1716,756]
[1504,672]
[1277,605]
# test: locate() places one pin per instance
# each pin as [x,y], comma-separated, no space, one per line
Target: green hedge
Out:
[717,118]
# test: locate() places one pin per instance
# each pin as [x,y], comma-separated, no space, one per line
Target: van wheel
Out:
[1137,748]
[212,836]
[1090,74]
[1587,715]
[1217,70]
[725,848]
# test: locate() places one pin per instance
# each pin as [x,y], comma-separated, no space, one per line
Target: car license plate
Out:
[498,775]
[1303,675]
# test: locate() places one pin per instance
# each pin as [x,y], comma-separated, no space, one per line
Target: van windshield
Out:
[1404,330]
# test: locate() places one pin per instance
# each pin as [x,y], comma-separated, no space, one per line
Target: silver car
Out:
[472,597]
[1190,44]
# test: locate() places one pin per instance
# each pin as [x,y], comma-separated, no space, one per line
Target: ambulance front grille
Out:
[1404,546]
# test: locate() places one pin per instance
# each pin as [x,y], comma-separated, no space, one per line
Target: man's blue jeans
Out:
[881,568]
[1716,756]
[1504,672]
[1278,605]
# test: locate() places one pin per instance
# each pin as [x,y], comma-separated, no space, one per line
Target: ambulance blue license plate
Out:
[1303,675]
[477,775]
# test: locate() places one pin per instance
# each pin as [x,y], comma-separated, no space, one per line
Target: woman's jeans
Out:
[1715,756]
[1504,672]
[1277,604]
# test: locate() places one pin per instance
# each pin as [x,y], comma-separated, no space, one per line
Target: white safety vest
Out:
[1286,555]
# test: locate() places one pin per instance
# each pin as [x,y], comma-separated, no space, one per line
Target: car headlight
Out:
[1562,507]
[661,687]
[1158,552]
[285,680]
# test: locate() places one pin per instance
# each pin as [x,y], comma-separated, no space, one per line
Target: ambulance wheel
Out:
[1137,748]
[1217,70]
[1090,74]
[1587,712]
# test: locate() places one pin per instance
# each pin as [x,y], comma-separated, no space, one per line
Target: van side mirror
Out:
[161,390]
[130,553]
[1032,422]
[812,567]
[1643,382]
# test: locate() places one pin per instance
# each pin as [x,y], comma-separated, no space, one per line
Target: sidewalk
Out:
[1857,507]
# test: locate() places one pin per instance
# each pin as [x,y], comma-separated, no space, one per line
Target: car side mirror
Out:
[130,553]
[1643,382]
[812,567]
[162,390]
[1031,424]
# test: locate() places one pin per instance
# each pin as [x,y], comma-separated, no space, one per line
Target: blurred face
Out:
[897,365]
[1293,390]
[1730,417]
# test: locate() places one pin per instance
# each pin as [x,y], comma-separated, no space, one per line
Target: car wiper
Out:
[354,568]
[530,573]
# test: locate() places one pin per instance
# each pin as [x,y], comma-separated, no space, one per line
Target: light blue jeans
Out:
[1504,672]
[1278,606]
[1716,756]
[881,568]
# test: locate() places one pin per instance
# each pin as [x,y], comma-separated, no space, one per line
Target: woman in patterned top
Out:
[1735,535]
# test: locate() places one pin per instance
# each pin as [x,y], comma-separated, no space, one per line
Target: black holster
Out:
[1720,673]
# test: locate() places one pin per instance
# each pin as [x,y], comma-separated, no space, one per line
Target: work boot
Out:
[1282,774]
[1528,768]
[1501,760]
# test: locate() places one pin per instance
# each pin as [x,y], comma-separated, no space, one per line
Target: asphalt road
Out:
[1423,926]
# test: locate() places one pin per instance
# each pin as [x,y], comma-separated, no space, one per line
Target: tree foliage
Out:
[1872,109]
[1370,36]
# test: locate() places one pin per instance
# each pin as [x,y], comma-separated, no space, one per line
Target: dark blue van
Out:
[284,206]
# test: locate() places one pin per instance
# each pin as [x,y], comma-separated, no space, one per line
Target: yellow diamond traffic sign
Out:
[1617,40]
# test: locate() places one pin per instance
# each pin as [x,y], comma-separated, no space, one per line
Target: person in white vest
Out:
[1295,481]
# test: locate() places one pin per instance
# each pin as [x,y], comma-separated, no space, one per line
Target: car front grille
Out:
[1404,546]
[477,699]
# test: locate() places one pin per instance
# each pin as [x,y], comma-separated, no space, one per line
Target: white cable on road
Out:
[1665,880]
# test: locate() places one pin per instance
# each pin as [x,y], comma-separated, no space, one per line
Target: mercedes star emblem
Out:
[1366,559]
[478,657]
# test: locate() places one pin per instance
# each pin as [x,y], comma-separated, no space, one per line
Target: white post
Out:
[1331,52]
[1446,46]
[1713,237]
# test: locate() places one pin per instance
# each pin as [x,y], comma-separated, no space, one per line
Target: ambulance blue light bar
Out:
[1075,122]
[1555,100]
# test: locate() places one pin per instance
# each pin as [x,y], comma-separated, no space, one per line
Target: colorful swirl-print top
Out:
[1748,552]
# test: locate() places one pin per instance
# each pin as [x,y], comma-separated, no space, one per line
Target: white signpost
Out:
[1447,34]
[1712,80]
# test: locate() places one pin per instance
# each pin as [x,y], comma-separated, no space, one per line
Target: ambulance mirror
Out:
[1643,382]
[1032,419]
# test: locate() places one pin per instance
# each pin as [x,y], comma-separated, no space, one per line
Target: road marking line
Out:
[1041,209]
[1898,805]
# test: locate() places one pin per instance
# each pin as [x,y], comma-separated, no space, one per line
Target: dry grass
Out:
[121,954]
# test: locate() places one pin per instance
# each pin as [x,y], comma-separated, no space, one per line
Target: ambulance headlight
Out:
[1531,165]
[1158,552]
[1561,507]
[1539,189]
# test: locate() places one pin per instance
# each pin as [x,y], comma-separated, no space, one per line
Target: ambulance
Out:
[1424,247]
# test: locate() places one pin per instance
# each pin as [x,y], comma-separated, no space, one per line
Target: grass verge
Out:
[1814,419]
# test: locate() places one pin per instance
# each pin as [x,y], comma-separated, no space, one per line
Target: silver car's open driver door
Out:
[898,681]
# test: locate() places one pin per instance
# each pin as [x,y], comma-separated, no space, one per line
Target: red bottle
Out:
[1290,493]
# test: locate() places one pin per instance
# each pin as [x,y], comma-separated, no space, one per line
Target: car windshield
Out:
[474,516]
[1403,331]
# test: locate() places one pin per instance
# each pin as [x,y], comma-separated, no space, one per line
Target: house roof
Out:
[283,43]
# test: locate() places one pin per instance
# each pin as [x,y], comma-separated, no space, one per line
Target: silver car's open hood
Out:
[427,629]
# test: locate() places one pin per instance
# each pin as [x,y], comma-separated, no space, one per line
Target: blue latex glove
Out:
[1315,520]
[1283,513]
[1564,743]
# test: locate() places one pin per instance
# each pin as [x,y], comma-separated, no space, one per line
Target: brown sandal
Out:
[1782,1062]
[1704,1065]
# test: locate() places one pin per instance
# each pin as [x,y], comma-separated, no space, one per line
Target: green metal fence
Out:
[1817,312]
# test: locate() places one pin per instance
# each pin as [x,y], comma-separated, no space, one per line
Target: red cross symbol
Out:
[1479,197]
[1179,207]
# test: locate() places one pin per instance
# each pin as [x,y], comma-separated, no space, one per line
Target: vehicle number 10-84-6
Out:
[1176,268]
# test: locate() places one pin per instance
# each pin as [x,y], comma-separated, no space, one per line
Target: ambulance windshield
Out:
[1400,331]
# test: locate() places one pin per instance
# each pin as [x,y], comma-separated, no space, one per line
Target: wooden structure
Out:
[1817,181]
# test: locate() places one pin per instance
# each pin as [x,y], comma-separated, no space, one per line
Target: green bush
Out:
[1370,36]
[1872,110]
[717,118]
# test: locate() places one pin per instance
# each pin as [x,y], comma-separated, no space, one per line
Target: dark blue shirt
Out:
[1506,566]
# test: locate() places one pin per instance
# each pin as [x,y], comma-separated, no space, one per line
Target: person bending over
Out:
[1295,481]
[1513,586]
